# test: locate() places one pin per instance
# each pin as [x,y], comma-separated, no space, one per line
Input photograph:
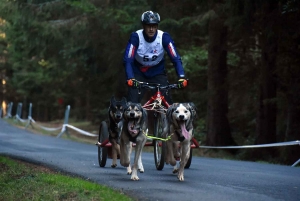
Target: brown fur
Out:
[115,123]
[134,129]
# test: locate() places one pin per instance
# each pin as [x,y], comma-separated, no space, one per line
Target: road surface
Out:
[207,179]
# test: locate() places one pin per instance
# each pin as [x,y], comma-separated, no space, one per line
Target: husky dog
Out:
[115,123]
[133,131]
[180,118]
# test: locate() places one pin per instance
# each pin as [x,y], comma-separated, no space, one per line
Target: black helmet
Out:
[150,17]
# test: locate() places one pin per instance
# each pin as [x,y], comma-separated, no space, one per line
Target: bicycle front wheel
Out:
[159,145]
[102,151]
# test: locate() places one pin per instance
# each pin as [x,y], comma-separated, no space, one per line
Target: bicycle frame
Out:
[157,102]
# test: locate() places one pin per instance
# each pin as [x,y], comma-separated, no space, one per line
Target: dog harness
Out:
[133,139]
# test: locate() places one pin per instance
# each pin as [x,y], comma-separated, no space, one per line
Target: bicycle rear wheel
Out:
[102,151]
[159,145]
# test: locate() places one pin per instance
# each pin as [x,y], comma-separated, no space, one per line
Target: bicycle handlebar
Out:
[147,85]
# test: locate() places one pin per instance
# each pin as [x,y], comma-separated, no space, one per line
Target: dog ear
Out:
[139,106]
[193,109]
[192,105]
[170,111]
[143,110]
[127,105]
[124,101]
[112,100]
[125,109]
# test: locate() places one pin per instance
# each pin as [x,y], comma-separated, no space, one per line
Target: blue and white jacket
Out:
[145,56]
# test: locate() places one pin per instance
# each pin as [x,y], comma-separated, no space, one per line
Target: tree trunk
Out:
[291,154]
[266,113]
[218,132]
[267,102]
[88,114]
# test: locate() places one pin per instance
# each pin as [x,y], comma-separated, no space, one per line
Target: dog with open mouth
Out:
[115,124]
[134,129]
[180,118]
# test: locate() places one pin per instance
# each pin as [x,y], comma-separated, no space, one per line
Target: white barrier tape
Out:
[31,119]
[298,161]
[297,142]
[45,128]
[63,127]
[80,131]
[22,120]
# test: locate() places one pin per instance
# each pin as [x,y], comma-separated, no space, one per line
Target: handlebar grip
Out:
[174,86]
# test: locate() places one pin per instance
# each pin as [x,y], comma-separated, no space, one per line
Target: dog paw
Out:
[175,171]
[141,169]
[129,170]
[134,175]
[135,178]
[180,177]
[113,165]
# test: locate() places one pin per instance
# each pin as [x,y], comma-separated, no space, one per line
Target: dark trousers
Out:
[136,97]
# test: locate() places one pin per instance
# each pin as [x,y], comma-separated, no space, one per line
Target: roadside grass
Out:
[24,181]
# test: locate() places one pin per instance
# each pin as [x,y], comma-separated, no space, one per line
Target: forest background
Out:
[241,59]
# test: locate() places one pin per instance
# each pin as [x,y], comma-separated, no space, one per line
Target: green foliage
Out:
[195,59]
[84,6]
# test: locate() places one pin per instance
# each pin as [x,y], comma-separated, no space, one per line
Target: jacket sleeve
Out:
[170,48]
[129,54]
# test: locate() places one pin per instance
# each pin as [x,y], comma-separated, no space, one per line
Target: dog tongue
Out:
[184,132]
[131,128]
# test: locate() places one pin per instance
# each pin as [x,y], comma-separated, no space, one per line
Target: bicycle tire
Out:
[159,145]
[188,163]
[102,151]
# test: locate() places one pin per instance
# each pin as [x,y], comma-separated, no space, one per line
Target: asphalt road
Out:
[207,179]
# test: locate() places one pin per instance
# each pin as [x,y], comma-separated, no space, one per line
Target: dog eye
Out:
[176,111]
[186,111]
